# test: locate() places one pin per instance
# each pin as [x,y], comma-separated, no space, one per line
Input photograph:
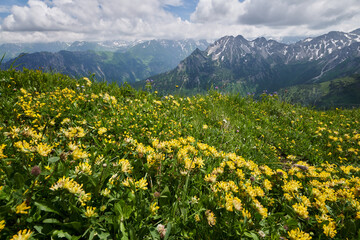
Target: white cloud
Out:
[277,18]
[313,14]
[37,16]
[224,11]
[92,18]
[70,20]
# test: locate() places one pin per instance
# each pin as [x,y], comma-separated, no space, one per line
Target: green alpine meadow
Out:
[82,159]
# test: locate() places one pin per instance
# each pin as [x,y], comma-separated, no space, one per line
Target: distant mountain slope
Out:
[339,92]
[12,50]
[79,64]
[237,65]
[137,63]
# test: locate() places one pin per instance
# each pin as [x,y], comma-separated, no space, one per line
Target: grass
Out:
[87,160]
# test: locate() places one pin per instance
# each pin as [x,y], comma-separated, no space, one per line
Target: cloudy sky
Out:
[93,20]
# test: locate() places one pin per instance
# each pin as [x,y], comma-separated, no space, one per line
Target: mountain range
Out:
[322,71]
[234,64]
[130,63]
[12,50]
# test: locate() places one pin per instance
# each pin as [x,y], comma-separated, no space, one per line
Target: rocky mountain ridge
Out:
[236,64]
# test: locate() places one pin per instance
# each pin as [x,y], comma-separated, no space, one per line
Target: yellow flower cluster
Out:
[102,130]
[22,208]
[125,166]
[2,147]
[301,210]
[74,132]
[73,187]
[79,153]
[2,225]
[43,149]
[297,234]
[83,168]
[90,212]
[24,146]
[211,218]
[139,185]
[154,208]
[22,235]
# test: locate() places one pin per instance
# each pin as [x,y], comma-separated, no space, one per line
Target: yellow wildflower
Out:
[297,234]
[88,82]
[268,171]
[288,196]
[262,210]
[267,184]
[99,159]
[322,218]
[128,182]
[2,225]
[141,184]
[83,168]
[211,218]
[2,146]
[21,208]
[154,208]
[22,235]
[246,214]
[102,130]
[43,149]
[210,178]
[330,229]
[229,202]
[65,120]
[23,146]
[301,210]
[291,157]
[105,192]
[189,163]
[72,146]
[90,212]
[73,187]
[79,153]
[125,166]
[237,203]
[305,201]
[199,162]
[291,186]
[194,200]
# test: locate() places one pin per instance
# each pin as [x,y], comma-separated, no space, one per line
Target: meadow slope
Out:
[87,160]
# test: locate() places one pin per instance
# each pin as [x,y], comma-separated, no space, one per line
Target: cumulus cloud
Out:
[102,18]
[277,13]
[70,20]
[224,11]
[37,16]
[314,14]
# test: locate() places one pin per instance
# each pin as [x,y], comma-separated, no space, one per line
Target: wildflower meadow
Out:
[81,159]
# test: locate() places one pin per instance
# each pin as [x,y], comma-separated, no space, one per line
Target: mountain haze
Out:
[136,63]
[12,50]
